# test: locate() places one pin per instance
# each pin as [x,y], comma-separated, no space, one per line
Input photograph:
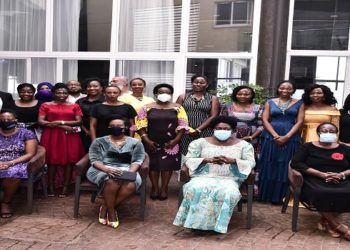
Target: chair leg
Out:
[250,206]
[77,196]
[44,183]
[296,209]
[30,193]
[181,194]
[143,199]
[286,201]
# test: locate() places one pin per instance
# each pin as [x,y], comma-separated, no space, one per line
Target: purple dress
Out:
[12,147]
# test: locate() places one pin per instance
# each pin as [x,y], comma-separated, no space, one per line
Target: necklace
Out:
[283,106]
[138,98]
[197,99]
[119,144]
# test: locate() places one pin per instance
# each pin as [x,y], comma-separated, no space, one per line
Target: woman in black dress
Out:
[161,125]
[344,124]
[325,166]
[112,106]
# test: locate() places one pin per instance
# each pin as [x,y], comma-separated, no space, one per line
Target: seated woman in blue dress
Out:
[112,157]
[218,165]
[325,166]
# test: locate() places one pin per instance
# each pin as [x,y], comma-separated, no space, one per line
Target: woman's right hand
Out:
[151,145]
[113,171]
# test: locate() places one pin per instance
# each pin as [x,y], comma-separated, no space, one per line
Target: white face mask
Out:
[164,97]
[222,135]
[328,137]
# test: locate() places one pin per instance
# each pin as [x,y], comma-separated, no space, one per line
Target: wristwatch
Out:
[343,175]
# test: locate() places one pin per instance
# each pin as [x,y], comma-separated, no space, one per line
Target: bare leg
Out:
[10,187]
[154,176]
[51,171]
[166,176]
[126,190]
[67,179]
[330,218]
[110,190]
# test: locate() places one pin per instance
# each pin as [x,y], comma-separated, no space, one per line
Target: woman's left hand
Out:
[5,165]
[170,144]
[224,160]
[282,140]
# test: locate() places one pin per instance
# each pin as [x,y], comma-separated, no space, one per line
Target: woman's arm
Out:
[138,156]
[132,127]
[180,99]
[30,150]
[215,108]
[93,125]
[266,123]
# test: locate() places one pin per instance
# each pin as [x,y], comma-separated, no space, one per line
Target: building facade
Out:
[168,41]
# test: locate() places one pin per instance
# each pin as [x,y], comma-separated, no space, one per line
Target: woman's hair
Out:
[23,85]
[238,88]
[224,119]
[91,79]
[196,76]
[163,85]
[113,86]
[329,98]
[286,81]
[347,103]
[49,85]
[326,123]
[59,85]
[138,78]
[2,111]
[117,117]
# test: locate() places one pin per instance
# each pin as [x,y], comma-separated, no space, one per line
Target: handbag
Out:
[126,176]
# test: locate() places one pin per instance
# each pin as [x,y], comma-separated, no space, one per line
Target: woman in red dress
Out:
[60,136]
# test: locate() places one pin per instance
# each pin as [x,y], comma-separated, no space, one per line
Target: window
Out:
[12,73]
[232,13]
[84,69]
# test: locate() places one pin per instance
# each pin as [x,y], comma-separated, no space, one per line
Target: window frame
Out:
[233,2]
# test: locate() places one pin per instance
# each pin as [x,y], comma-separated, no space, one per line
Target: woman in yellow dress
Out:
[319,108]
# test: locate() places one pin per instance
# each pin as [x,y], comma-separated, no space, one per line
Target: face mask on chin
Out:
[328,137]
[222,135]
[164,97]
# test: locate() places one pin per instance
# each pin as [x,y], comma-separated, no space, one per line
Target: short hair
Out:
[238,88]
[87,81]
[163,85]
[11,111]
[117,117]
[113,86]
[347,103]
[329,98]
[73,81]
[48,84]
[59,85]
[194,77]
[286,81]
[223,119]
[24,85]
[138,78]
[326,123]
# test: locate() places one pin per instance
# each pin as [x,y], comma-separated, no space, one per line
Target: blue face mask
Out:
[328,137]
[222,135]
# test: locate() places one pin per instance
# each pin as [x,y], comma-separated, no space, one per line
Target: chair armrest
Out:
[144,168]
[82,165]
[184,174]
[295,178]
[37,162]
[251,178]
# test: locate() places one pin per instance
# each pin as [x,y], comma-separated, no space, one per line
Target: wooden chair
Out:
[80,169]
[36,170]
[295,183]
[246,194]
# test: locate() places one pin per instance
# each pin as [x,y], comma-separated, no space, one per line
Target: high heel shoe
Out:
[103,221]
[113,224]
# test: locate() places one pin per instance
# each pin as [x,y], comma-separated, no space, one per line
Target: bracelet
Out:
[343,175]
[198,130]
[12,163]
[143,135]
[62,122]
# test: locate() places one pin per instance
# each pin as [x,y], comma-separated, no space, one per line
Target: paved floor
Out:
[52,226]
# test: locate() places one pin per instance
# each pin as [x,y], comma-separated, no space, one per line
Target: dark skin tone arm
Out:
[68,125]
[115,171]
[93,125]
[30,151]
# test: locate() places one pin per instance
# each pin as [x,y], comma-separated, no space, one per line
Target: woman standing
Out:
[94,90]
[60,136]
[26,107]
[246,112]
[282,119]
[344,126]
[44,93]
[161,125]
[319,107]
[201,107]
[112,106]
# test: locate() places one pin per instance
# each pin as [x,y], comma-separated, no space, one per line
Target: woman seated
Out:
[115,159]
[325,166]
[217,165]
[17,147]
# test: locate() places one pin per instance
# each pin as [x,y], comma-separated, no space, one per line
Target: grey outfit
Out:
[104,151]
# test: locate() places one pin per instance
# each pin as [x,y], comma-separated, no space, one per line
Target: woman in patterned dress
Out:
[201,107]
[161,125]
[217,165]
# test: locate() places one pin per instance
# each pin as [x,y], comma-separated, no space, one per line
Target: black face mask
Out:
[7,125]
[116,131]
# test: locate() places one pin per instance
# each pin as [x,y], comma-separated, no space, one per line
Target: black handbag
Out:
[126,176]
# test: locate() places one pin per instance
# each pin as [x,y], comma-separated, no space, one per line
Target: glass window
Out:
[12,73]
[43,70]
[82,25]
[22,25]
[321,24]
[220,72]
[153,72]
[221,26]
[152,25]
[330,71]
[84,69]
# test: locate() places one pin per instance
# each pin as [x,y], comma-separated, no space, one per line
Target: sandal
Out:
[6,213]
[101,220]
[324,226]
[343,230]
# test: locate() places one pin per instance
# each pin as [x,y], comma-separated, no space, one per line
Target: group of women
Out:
[219,145]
